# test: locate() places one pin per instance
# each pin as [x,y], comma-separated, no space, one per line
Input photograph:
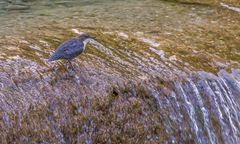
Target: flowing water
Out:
[158,72]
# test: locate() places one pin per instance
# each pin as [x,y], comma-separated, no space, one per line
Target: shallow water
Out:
[159,72]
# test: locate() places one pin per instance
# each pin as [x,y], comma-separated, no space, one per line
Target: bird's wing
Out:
[68,50]
[72,47]
[69,45]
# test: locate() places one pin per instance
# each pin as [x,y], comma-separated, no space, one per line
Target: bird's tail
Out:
[53,57]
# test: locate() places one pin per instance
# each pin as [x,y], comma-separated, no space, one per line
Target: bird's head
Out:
[85,36]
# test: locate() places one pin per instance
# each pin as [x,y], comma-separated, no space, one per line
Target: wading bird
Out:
[71,48]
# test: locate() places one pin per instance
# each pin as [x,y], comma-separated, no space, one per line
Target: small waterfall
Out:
[205,113]
[208,103]
[190,110]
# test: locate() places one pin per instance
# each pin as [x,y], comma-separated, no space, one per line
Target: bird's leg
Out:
[71,65]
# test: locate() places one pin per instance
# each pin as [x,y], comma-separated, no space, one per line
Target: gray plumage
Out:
[68,50]
[71,48]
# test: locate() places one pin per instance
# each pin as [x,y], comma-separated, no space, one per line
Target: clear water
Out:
[159,72]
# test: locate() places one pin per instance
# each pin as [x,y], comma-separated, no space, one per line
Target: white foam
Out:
[35,47]
[45,43]
[173,58]
[151,42]
[122,34]
[230,7]
[77,31]
[159,52]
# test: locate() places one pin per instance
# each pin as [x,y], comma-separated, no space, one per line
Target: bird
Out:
[72,48]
